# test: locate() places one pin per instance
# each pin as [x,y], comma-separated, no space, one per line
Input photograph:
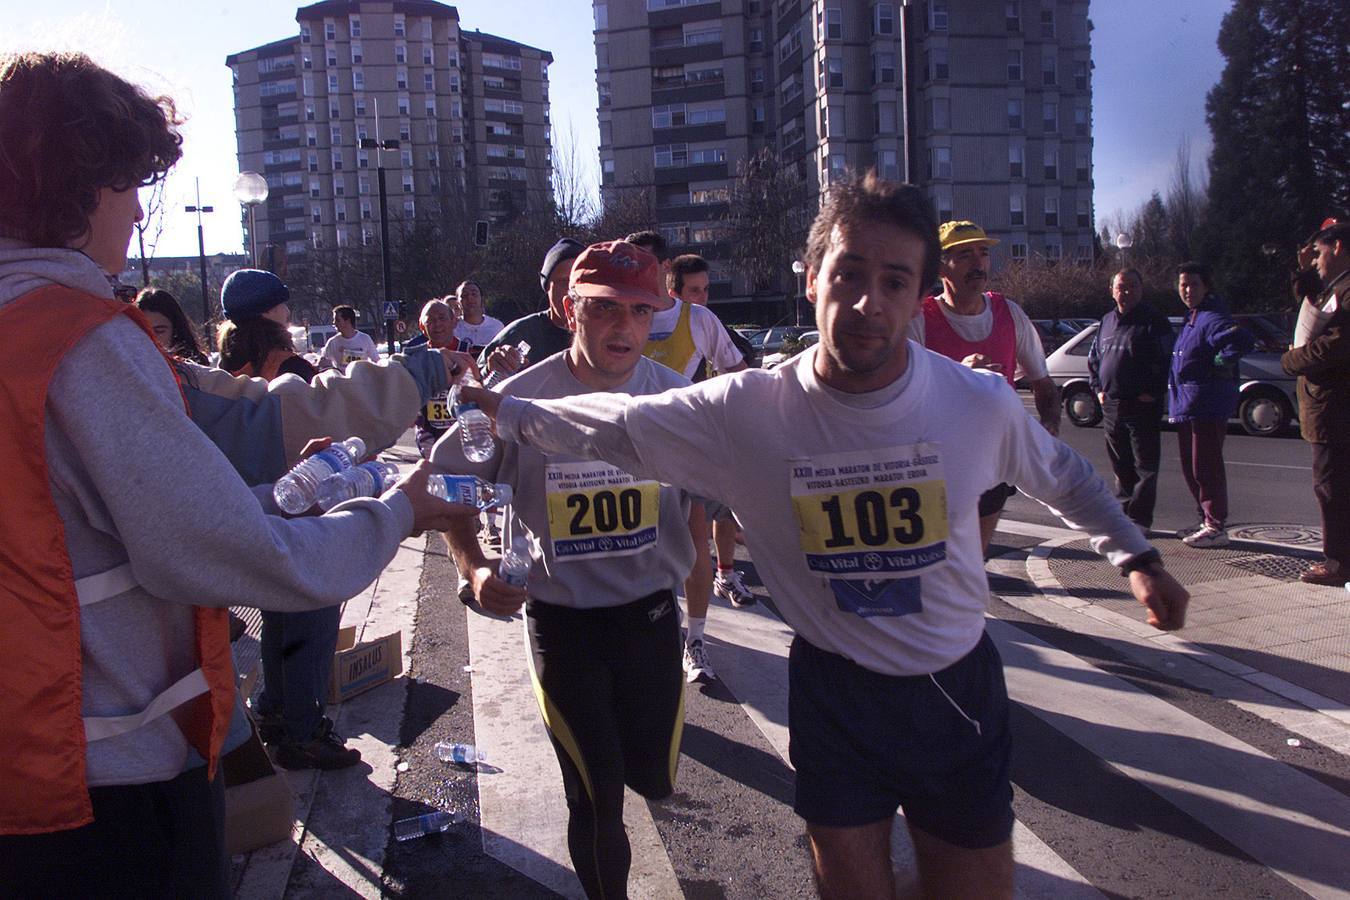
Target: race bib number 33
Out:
[596,511]
[872,514]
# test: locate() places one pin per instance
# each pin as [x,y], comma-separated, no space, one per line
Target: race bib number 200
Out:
[596,510]
[872,514]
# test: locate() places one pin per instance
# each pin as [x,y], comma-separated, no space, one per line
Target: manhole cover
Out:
[1281,535]
[1283,567]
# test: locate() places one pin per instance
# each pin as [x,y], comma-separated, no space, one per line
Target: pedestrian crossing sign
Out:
[391,309]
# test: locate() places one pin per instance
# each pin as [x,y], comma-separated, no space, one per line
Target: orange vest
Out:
[42,729]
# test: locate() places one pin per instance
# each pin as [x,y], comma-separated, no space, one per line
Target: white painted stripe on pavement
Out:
[524,811]
[1233,462]
[749,648]
[1289,822]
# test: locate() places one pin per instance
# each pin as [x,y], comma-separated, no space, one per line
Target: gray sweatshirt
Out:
[135,481]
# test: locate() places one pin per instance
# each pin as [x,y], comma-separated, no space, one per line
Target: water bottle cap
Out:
[503,494]
[356,446]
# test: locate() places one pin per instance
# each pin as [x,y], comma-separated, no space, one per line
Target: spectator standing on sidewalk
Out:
[254,339]
[476,329]
[348,345]
[1127,366]
[1320,358]
[1202,395]
[127,532]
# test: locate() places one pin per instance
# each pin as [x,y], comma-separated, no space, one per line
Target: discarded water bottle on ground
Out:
[298,489]
[464,754]
[366,480]
[421,826]
[514,568]
[523,348]
[469,490]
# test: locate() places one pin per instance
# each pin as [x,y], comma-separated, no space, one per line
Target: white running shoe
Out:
[696,667]
[1208,536]
[732,589]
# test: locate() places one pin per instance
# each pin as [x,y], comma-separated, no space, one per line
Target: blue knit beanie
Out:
[248,293]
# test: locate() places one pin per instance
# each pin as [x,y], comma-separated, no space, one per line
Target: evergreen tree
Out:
[1279,125]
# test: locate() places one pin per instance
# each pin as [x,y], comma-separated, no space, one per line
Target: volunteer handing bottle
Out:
[366,480]
[298,489]
[475,428]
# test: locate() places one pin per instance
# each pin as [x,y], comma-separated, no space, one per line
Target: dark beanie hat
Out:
[248,293]
[565,249]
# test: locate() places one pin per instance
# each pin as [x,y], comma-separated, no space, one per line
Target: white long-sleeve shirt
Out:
[860,511]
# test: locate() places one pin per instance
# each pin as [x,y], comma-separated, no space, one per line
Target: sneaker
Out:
[465,592]
[271,727]
[696,667]
[1207,536]
[1183,533]
[732,589]
[323,751]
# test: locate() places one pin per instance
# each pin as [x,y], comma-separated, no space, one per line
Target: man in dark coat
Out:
[1321,360]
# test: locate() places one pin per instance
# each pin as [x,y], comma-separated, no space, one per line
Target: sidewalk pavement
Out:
[1255,636]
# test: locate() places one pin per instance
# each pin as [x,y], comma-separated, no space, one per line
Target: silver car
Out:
[1266,402]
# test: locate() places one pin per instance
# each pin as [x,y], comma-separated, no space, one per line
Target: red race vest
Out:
[1000,346]
[43,784]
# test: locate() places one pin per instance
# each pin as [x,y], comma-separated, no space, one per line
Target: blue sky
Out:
[1155,61]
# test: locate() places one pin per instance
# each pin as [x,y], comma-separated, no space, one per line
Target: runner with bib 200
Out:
[861,513]
[608,552]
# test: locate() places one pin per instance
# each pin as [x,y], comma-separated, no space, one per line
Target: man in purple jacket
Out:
[1202,395]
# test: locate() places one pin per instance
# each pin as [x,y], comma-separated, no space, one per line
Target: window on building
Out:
[1052,212]
[357,55]
[1080,75]
[332,83]
[400,25]
[886,118]
[791,42]
[1047,23]
[670,155]
[362,159]
[405,131]
[707,156]
[1084,217]
[834,69]
[939,113]
[311,137]
[354,26]
[330,57]
[1014,65]
[834,23]
[337,159]
[401,53]
[940,162]
[1051,158]
[428,55]
[401,79]
[363,185]
[360,106]
[365,211]
[601,11]
[1012,14]
[454,82]
[887,165]
[756,40]
[1082,171]
[883,19]
[405,157]
[1080,121]
[341,212]
[329,31]
[1050,117]
[937,15]
[305,35]
[883,68]
[756,81]
[1016,213]
[409,209]
[407,183]
[309,112]
[335,134]
[939,68]
[1053,251]
[1083,255]
[428,81]
[314,188]
[1018,252]
[403,106]
[1049,67]
[314,162]
[1016,161]
[1015,115]
[316,213]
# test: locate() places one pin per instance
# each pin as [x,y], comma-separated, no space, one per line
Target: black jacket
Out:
[1130,354]
[1323,369]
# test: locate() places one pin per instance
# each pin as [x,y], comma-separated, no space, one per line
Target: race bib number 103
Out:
[872,514]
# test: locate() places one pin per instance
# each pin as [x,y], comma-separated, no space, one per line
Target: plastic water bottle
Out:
[464,754]
[514,568]
[523,348]
[469,490]
[366,480]
[423,825]
[298,489]
[475,428]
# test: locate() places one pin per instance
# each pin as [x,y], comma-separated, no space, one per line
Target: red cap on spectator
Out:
[621,271]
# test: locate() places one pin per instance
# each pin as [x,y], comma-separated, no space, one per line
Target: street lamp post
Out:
[250,189]
[798,269]
[379,147]
[201,250]
[904,87]
[1123,243]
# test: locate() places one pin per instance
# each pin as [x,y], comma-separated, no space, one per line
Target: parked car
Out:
[1054,332]
[789,349]
[1266,401]
[770,340]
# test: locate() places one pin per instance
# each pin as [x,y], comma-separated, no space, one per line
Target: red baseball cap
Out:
[618,270]
[1331,228]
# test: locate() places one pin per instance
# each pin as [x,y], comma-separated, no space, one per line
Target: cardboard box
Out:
[259,805]
[359,667]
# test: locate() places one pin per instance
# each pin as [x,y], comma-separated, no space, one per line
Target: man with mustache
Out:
[984,330]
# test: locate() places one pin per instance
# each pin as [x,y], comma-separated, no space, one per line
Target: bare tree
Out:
[766,218]
[574,181]
[1186,204]
[152,222]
